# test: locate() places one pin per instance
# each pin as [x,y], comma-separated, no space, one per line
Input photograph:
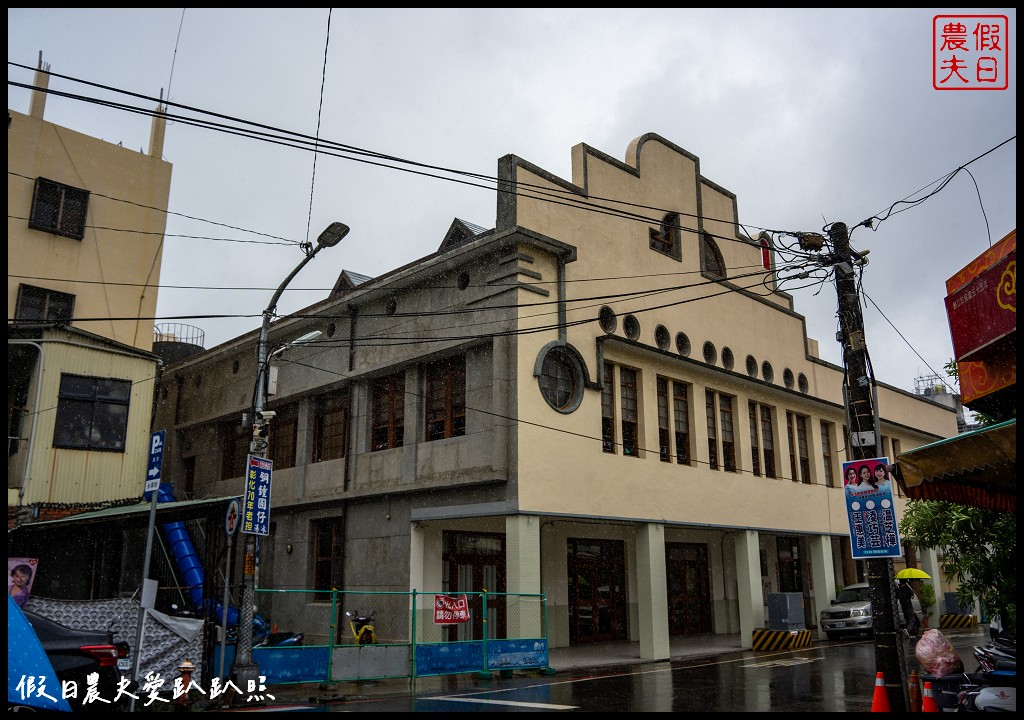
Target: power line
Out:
[302,141]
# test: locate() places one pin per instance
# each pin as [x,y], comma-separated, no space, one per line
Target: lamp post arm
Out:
[268,314]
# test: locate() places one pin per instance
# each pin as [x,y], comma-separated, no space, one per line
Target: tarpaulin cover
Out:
[31,680]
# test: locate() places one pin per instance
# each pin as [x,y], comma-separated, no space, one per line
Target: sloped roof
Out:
[459,233]
[347,281]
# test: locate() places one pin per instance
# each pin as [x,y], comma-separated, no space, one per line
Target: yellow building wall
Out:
[109,269]
[59,475]
[562,468]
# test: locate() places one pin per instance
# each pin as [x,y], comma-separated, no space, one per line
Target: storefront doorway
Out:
[689,597]
[597,590]
[474,562]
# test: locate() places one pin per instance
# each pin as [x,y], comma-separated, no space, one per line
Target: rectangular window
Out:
[235,441]
[826,452]
[36,304]
[630,412]
[282,435]
[794,473]
[188,466]
[728,433]
[802,449]
[59,209]
[92,413]
[446,399]
[768,441]
[681,422]
[328,557]
[330,427]
[608,409]
[755,450]
[709,408]
[388,412]
[664,449]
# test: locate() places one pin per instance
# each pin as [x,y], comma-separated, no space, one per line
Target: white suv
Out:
[851,612]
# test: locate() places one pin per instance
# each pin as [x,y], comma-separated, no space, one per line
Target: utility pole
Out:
[244,669]
[863,414]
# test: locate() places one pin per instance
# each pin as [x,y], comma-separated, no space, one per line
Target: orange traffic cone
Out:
[880,700]
[928,703]
[914,692]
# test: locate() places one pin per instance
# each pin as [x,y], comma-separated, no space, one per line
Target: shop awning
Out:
[976,468]
[138,513]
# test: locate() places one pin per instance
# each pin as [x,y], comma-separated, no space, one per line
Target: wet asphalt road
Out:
[828,677]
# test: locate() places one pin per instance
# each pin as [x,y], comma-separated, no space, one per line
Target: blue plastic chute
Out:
[187,559]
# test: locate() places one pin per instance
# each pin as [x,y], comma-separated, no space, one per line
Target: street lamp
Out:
[244,670]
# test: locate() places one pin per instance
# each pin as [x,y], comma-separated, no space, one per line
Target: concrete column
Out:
[930,564]
[824,576]
[748,585]
[424,577]
[652,592]
[522,573]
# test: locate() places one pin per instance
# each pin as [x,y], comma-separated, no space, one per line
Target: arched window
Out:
[667,238]
[766,254]
[711,261]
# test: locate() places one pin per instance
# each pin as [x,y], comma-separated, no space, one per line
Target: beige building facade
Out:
[605,398]
[85,228]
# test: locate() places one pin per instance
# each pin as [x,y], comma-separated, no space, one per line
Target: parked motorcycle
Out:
[993,687]
[263,635]
[362,627]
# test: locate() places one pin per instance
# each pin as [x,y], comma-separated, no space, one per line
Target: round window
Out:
[632,327]
[561,379]
[787,378]
[391,307]
[728,359]
[463,281]
[801,382]
[682,344]
[710,353]
[751,366]
[767,371]
[662,337]
[235,367]
[606,318]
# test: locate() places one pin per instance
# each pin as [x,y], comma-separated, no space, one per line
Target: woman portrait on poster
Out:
[851,478]
[881,479]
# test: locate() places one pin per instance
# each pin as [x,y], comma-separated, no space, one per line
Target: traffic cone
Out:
[880,700]
[928,703]
[914,692]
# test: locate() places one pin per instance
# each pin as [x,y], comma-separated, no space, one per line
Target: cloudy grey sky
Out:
[809,117]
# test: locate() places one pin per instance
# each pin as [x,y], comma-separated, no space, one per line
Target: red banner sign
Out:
[450,609]
[984,311]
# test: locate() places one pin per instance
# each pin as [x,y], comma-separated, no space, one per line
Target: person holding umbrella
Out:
[906,594]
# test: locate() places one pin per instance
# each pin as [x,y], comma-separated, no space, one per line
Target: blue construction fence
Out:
[416,634]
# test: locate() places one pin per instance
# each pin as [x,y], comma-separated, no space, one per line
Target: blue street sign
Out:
[156,460]
[256,497]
